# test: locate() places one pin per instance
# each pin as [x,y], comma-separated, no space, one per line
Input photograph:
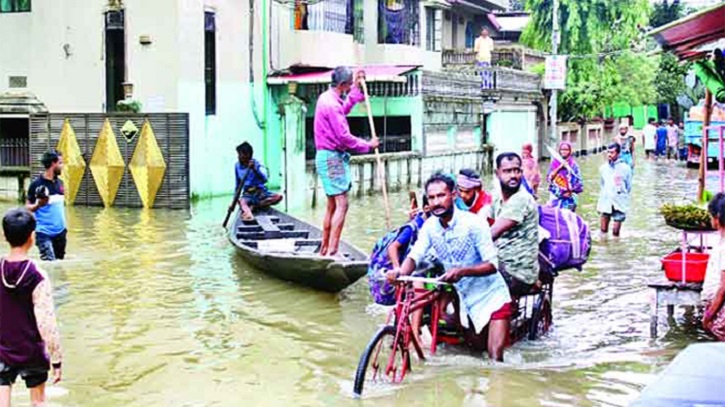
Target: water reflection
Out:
[157,309]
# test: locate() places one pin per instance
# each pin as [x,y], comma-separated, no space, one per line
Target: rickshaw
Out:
[387,357]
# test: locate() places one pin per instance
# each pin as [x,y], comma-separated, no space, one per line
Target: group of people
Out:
[566,182]
[665,139]
[488,247]
[29,336]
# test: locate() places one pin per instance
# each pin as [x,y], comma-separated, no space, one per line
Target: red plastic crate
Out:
[695,266]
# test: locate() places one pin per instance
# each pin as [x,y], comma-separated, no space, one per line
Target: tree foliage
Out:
[598,36]
[516,5]
[665,12]
[670,80]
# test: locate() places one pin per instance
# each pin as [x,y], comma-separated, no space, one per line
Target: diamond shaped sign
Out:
[107,165]
[147,166]
[74,165]
[129,131]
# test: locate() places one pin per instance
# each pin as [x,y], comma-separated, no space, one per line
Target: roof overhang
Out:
[373,73]
[690,37]
[477,7]
[437,4]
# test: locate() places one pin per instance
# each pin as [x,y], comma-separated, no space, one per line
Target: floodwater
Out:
[157,309]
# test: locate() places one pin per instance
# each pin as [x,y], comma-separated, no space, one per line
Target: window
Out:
[394,132]
[115,58]
[433,26]
[398,22]
[358,28]
[14,139]
[14,6]
[328,15]
[210,62]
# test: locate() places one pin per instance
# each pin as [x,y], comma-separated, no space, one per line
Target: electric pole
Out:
[554,51]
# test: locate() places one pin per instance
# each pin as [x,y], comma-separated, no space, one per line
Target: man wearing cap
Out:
[471,195]
[626,141]
[334,143]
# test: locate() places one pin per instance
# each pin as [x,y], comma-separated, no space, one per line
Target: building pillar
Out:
[294,171]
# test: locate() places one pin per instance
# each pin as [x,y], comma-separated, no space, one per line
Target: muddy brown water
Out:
[157,309]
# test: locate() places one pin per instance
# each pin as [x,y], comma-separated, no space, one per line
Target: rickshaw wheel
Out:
[541,319]
[377,355]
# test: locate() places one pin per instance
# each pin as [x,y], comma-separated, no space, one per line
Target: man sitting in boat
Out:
[463,246]
[253,175]
[471,195]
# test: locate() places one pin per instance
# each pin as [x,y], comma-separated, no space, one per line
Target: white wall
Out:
[169,71]
[214,137]
[511,126]
[153,69]
[318,48]
[32,46]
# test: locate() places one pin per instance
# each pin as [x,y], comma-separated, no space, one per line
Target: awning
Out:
[509,23]
[686,36]
[374,73]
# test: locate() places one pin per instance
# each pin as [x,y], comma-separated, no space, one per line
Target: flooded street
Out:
[157,309]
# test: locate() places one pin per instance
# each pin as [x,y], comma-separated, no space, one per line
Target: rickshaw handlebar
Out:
[424,280]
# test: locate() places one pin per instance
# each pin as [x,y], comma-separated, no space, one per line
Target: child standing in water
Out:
[713,289]
[29,338]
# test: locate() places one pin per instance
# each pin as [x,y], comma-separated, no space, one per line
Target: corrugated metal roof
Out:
[686,36]
[373,73]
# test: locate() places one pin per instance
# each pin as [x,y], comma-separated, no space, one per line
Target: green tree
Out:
[670,80]
[665,12]
[516,5]
[597,34]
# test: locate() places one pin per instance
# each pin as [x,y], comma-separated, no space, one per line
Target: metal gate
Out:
[170,132]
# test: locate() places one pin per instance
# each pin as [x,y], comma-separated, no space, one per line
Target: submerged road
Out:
[157,309]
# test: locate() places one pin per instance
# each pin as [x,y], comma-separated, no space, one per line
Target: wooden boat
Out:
[287,248]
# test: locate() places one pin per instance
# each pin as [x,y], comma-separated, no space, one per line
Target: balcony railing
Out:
[515,57]
[475,83]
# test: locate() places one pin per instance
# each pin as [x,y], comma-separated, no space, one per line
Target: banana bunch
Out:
[686,217]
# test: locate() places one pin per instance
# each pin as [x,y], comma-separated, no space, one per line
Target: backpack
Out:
[569,242]
[383,292]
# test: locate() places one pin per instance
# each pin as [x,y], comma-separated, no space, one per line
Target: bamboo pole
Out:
[703,152]
[381,168]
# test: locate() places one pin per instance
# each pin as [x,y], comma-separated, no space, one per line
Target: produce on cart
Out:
[686,217]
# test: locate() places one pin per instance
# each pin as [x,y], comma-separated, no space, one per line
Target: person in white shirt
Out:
[649,138]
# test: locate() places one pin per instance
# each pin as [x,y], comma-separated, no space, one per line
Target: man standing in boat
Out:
[334,143]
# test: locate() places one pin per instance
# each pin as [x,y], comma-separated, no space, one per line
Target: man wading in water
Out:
[46,198]
[616,182]
[463,245]
[333,142]
[516,227]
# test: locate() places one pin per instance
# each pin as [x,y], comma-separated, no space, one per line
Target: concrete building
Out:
[429,108]
[188,56]
[229,65]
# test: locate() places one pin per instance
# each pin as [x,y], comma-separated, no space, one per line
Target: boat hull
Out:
[331,274]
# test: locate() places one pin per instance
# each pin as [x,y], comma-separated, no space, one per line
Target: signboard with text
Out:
[555,75]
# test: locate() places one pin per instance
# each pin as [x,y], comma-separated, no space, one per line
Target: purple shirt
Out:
[332,132]
[20,342]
